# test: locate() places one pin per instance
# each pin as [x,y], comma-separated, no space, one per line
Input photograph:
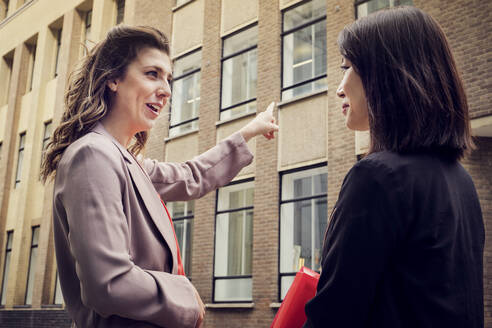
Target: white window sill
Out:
[181,135]
[275,305]
[230,305]
[234,118]
[302,97]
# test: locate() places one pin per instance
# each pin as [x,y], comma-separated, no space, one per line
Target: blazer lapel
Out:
[149,195]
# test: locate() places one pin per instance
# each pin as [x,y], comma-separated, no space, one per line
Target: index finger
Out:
[270,107]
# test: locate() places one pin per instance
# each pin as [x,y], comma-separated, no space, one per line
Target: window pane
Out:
[233,289]
[239,110]
[304,13]
[236,196]
[303,225]
[6,267]
[19,167]
[240,41]
[9,241]
[184,234]
[304,54]
[239,78]
[180,209]
[35,236]
[186,103]
[58,292]
[120,11]
[233,243]
[187,64]
[304,183]
[285,283]
[180,129]
[374,5]
[32,271]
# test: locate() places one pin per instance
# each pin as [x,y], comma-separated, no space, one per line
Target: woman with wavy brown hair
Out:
[404,245]
[117,256]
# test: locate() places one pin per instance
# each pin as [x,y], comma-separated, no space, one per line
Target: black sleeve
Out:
[359,243]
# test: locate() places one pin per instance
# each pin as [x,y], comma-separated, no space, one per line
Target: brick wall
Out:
[34,319]
[479,165]
[467,25]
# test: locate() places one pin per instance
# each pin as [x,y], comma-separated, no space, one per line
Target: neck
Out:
[117,129]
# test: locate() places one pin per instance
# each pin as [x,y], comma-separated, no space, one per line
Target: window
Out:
[186,94]
[5,84]
[32,265]
[365,7]
[304,49]
[6,9]
[58,34]
[303,219]
[239,73]
[46,137]
[120,11]
[31,48]
[58,296]
[182,214]
[233,243]
[87,31]
[6,266]
[22,140]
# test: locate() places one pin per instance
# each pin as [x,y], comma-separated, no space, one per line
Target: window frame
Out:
[22,146]
[280,202]
[10,233]
[57,51]
[361,2]
[177,78]
[33,246]
[216,213]
[55,294]
[120,5]
[235,54]
[32,62]
[283,34]
[190,217]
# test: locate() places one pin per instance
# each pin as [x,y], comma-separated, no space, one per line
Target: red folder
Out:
[291,313]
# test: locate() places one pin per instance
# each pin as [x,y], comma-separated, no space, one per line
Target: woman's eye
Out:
[344,68]
[152,73]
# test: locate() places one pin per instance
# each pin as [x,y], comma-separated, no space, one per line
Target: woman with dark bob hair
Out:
[404,245]
[117,256]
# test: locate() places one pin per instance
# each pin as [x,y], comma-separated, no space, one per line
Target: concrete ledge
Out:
[275,305]
[302,97]
[230,305]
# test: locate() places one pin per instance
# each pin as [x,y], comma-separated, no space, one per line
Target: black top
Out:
[404,247]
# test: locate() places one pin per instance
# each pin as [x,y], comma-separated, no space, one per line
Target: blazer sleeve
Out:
[91,185]
[360,238]
[206,172]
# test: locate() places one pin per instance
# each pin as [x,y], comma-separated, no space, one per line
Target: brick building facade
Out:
[241,244]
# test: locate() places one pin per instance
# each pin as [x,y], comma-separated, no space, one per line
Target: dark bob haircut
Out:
[416,99]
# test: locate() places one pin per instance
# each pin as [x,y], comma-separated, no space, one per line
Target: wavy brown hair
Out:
[416,98]
[87,99]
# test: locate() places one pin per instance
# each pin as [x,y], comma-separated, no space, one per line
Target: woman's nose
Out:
[164,90]
[340,92]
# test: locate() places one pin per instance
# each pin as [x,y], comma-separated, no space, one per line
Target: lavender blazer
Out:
[115,247]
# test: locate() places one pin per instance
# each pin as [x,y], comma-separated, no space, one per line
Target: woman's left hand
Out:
[264,123]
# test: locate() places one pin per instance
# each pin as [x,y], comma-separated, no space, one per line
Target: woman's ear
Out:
[113,85]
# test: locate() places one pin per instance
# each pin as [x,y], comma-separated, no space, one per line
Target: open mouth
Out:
[153,108]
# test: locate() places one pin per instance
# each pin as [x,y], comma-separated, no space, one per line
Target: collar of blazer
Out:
[147,192]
